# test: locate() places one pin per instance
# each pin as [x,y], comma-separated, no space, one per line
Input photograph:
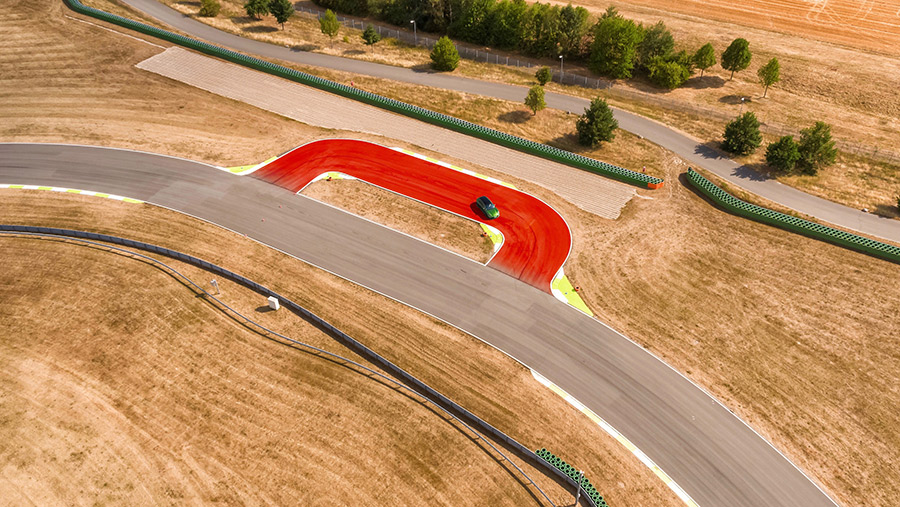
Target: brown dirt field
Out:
[482,379]
[417,219]
[160,397]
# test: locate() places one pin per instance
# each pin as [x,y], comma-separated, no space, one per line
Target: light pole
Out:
[578,492]
[415,33]
[742,106]
[560,68]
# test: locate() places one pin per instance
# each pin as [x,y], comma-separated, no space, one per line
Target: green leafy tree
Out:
[668,74]
[256,8]
[471,24]
[209,8]
[597,124]
[658,43]
[610,12]
[742,135]
[705,57]
[329,25]
[282,10]
[769,74]
[615,44]
[444,56]
[543,75]
[898,202]
[539,31]
[371,36]
[816,148]
[783,154]
[535,99]
[737,57]
[573,26]
[504,21]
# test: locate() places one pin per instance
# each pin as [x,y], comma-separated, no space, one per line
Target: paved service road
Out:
[715,457]
[658,133]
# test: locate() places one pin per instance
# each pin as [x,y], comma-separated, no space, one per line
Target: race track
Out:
[714,456]
[537,239]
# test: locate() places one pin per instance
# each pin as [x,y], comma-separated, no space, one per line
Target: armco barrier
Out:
[488,134]
[369,354]
[794,224]
[573,472]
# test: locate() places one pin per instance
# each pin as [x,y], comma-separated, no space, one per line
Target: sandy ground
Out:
[484,380]
[446,230]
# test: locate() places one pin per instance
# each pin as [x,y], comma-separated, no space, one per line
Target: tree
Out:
[471,24]
[783,154]
[613,51]
[816,148]
[209,8]
[329,25]
[769,74]
[535,99]
[573,26]
[370,36]
[705,57]
[742,135]
[504,22]
[597,124]
[543,75]
[737,56]
[282,10]
[444,56]
[658,42]
[611,12]
[256,8]
[668,74]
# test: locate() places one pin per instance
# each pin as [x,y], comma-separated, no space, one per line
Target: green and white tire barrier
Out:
[767,216]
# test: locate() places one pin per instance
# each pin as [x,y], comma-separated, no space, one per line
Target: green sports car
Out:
[487,207]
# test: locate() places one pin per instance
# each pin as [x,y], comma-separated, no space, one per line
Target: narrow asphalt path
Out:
[714,456]
[684,146]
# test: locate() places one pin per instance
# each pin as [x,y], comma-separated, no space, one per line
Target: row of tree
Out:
[281,9]
[814,150]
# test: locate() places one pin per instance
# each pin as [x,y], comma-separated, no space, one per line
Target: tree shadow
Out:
[304,47]
[517,116]
[735,99]
[351,52]
[705,82]
[886,211]
[259,29]
[424,68]
[754,172]
[190,4]
[243,20]
[568,142]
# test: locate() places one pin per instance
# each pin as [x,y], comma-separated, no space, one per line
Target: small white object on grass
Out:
[273,303]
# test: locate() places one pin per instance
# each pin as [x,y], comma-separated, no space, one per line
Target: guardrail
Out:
[442,120]
[369,354]
[794,224]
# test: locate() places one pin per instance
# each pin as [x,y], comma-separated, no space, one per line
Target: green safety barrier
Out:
[794,224]
[488,134]
[572,472]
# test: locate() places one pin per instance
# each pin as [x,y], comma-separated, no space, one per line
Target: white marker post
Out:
[215,285]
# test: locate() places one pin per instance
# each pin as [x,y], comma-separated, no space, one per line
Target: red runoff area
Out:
[537,239]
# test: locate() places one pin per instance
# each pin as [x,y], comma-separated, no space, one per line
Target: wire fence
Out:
[577,79]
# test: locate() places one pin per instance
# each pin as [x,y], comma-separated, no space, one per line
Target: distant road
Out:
[714,456]
[684,146]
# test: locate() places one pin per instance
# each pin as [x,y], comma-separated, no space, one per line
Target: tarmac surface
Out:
[714,456]
[537,239]
[690,149]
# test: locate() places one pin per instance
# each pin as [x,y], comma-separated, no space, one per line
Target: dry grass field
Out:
[121,385]
[438,227]
[255,386]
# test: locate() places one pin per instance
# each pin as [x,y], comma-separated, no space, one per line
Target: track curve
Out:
[537,238]
[713,455]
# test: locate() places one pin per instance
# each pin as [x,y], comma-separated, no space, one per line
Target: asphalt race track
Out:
[537,239]
[714,456]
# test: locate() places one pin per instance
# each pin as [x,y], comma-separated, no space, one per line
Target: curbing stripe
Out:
[562,289]
[72,191]
[639,454]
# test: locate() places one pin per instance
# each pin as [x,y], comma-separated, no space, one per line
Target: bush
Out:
[535,99]
[816,148]
[543,75]
[669,75]
[209,8]
[444,56]
[371,36]
[782,155]
[596,124]
[742,135]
